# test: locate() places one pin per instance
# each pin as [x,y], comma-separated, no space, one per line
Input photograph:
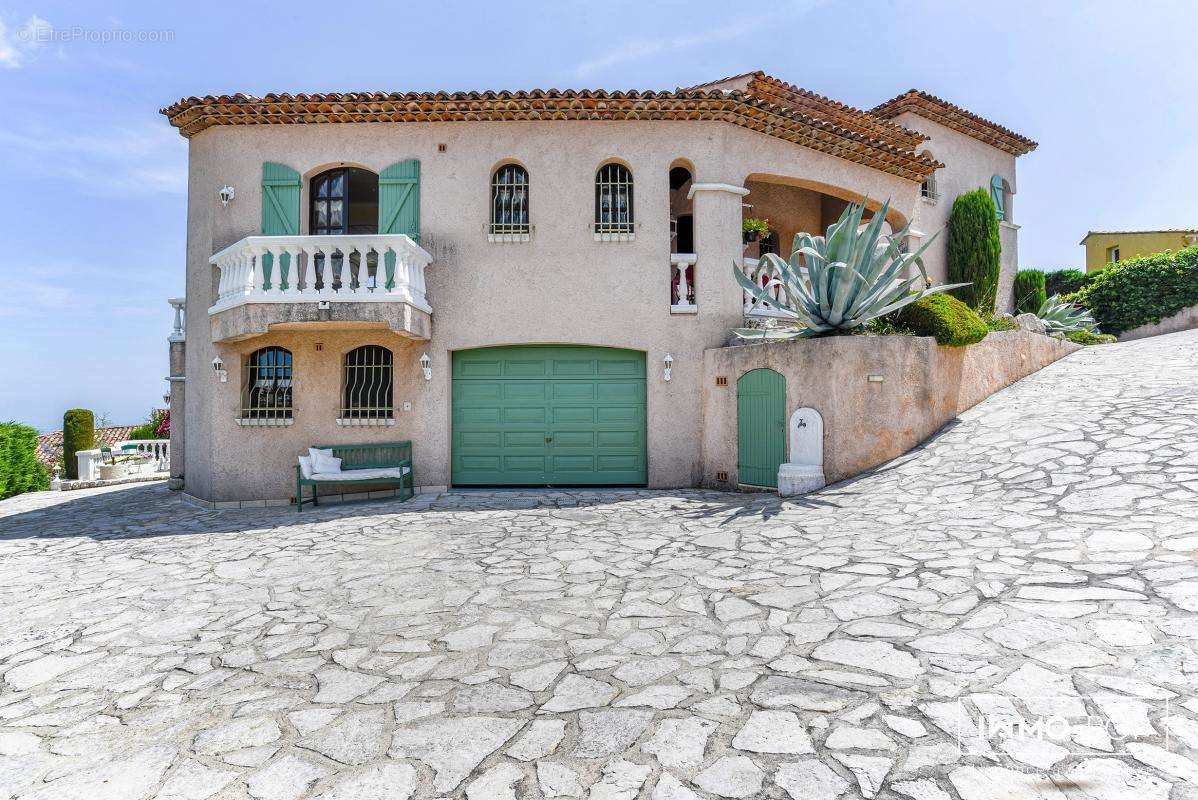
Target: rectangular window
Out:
[1112,254]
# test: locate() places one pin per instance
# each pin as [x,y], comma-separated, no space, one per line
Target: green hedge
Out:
[1029,291]
[20,471]
[974,250]
[1064,281]
[1142,291]
[945,317]
[78,433]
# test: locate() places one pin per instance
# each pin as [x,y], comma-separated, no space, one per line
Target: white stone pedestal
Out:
[800,479]
[805,471]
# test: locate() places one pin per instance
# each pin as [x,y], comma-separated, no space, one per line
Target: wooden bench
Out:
[387,462]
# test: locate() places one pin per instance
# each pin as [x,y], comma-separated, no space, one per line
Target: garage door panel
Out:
[588,402]
[475,392]
[524,439]
[564,438]
[525,392]
[529,463]
[574,392]
[621,392]
[483,463]
[620,415]
[480,368]
[485,439]
[525,368]
[480,416]
[523,416]
[619,439]
[569,415]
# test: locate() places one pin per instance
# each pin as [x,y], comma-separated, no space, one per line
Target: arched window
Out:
[998,193]
[344,200]
[266,390]
[613,202]
[367,389]
[509,201]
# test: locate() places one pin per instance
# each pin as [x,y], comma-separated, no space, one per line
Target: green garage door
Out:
[547,415]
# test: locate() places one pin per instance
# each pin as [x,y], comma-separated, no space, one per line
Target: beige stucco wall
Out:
[969,164]
[561,287]
[865,424]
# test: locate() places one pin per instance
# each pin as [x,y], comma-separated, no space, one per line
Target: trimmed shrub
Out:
[1089,337]
[78,433]
[1142,291]
[1029,291]
[1064,281]
[947,318]
[20,471]
[974,250]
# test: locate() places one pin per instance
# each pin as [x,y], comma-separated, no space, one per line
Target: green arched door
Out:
[760,427]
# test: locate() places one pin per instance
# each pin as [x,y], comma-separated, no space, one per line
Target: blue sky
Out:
[93,206]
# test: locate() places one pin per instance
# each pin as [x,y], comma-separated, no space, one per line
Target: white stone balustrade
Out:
[311,269]
[159,450]
[753,306]
[178,334]
[682,286]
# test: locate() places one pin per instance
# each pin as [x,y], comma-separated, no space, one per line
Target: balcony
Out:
[288,282]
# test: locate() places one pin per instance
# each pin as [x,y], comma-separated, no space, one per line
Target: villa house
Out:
[523,284]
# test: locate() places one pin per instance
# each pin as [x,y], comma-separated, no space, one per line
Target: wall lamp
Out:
[219,366]
[669,362]
[225,194]
[425,366]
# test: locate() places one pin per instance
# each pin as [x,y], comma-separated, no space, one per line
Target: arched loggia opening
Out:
[794,205]
[682,240]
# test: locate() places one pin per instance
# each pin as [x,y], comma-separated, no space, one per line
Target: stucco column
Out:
[718,246]
[177,342]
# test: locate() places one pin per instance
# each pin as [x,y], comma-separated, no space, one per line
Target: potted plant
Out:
[755,228]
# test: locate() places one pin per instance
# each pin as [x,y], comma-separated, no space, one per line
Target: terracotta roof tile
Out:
[957,118]
[803,119]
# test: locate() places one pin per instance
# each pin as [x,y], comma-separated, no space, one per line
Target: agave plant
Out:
[853,274]
[1061,317]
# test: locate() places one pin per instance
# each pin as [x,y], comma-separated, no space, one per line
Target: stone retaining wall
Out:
[1183,320]
[866,423]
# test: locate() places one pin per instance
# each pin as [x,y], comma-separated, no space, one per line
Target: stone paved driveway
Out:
[1006,613]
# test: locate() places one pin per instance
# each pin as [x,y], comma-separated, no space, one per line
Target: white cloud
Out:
[638,49]
[15,46]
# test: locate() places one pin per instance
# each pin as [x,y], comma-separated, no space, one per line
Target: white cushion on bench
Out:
[360,474]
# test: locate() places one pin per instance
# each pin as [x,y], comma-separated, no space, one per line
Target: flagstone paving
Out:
[1007,612]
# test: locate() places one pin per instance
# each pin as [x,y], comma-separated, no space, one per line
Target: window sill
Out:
[1002,223]
[929,200]
[687,309]
[254,422]
[371,422]
[509,237]
[615,237]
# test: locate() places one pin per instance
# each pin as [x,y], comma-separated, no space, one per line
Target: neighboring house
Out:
[1110,247]
[49,445]
[505,278]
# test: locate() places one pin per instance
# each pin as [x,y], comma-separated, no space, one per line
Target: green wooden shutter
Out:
[280,213]
[996,192]
[399,206]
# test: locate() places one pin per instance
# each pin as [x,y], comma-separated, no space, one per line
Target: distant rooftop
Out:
[1190,231]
